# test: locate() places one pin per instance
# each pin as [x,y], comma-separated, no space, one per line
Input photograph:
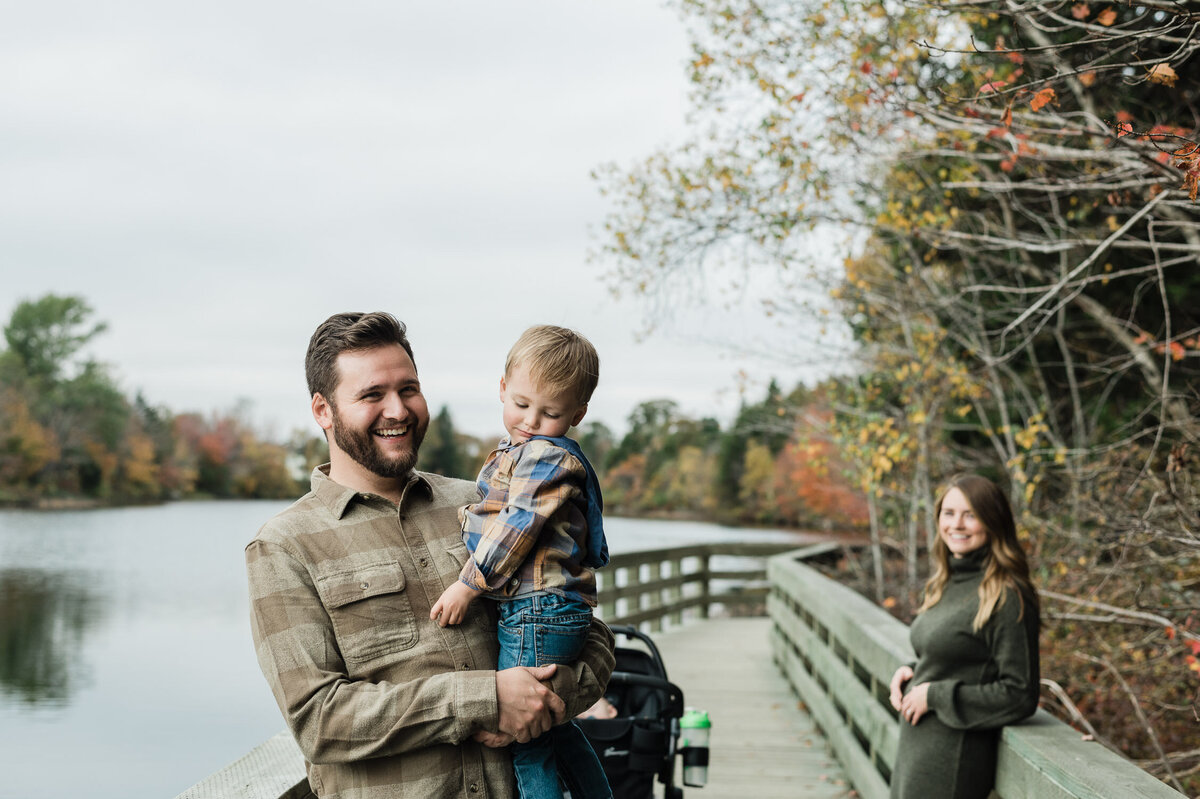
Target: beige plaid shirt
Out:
[381,700]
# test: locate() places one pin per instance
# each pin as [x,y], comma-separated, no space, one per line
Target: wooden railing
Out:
[653,588]
[839,651]
[661,587]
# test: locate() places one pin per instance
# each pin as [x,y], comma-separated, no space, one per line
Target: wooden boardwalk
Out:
[763,742]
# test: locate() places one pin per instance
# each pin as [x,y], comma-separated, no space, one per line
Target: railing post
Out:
[675,592]
[654,598]
[705,591]
[604,586]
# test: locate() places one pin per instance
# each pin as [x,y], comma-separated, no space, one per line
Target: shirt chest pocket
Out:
[370,609]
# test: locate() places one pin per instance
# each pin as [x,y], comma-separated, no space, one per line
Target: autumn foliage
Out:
[1017,188]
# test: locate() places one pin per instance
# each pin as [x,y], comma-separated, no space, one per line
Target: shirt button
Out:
[424,562]
[465,666]
[474,787]
[364,585]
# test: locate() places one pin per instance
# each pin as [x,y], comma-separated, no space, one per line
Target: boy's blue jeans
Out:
[538,630]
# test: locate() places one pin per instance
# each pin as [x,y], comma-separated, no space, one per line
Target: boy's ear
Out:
[502,389]
[322,411]
[579,414]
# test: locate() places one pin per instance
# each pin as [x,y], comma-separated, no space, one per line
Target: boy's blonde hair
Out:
[558,360]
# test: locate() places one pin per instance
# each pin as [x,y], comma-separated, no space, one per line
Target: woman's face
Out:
[960,530]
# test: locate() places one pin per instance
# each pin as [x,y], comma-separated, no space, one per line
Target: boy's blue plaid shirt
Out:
[537,525]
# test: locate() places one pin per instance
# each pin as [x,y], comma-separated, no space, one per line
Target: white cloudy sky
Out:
[217,178]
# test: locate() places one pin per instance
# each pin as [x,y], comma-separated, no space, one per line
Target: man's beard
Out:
[361,447]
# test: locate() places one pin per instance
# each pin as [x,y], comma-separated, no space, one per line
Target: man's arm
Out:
[335,718]
[577,686]
[583,682]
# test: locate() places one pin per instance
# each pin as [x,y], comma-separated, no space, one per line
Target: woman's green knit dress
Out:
[978,682]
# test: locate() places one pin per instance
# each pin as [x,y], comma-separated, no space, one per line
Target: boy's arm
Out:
[544,479]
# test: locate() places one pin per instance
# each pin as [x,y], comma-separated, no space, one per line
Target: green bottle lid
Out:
[693,718]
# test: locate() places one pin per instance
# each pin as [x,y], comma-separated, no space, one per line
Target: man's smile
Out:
[391,432]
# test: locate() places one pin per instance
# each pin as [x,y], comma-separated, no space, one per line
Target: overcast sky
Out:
[217,178]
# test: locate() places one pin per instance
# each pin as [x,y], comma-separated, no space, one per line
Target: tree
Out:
[441,453]
[46,334]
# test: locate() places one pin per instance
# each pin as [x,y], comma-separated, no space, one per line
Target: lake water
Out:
[126,667]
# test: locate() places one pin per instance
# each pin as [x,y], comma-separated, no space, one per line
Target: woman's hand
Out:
[902,675]
[915,703]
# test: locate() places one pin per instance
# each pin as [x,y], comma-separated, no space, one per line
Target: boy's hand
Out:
[451,607]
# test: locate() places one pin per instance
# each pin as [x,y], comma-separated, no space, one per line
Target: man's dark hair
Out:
[348,332]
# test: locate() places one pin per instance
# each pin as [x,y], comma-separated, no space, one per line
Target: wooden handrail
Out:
[839,651]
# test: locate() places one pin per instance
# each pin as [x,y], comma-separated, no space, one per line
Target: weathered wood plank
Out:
[763,743]
[272,770]
[1045,757]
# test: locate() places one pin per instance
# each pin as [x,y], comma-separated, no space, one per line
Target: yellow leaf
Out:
[1162,73]
[1107,17]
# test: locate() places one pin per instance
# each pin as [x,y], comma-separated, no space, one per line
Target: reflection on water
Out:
[44,617]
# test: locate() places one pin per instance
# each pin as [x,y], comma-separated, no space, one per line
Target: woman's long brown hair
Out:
[1006,566]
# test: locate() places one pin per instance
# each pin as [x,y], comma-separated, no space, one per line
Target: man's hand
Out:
[527,707]
[451,607]
[492,740]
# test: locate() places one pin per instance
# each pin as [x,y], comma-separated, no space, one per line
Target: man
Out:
[383,701]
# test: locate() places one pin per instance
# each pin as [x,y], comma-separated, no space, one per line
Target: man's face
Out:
[378,415]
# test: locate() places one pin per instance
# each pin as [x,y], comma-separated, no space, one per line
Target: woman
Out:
[976,639]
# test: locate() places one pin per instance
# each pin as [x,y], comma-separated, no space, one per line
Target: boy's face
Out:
[530,410]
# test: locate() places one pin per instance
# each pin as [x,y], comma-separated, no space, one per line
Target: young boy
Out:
[535,535]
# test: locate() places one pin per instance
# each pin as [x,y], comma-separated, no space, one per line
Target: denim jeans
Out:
[538,630]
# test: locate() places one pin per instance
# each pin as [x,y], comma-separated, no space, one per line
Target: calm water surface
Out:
[126,668]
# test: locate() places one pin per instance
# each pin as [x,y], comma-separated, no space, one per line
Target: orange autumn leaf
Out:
[1124,116]
[1087,78]
[993,86]
[1162,73]
[1080,11]
[1016,58]
[1007,118]
[1124,129]
[1041,98]
[1107,17]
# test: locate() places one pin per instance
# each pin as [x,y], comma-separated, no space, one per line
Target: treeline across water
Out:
[68,434]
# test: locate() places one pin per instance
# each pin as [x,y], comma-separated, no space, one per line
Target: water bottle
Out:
[694,729]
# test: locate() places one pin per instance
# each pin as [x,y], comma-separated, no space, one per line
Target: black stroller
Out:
[643,739]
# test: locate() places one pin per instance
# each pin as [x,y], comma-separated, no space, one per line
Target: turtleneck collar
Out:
[969,564]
